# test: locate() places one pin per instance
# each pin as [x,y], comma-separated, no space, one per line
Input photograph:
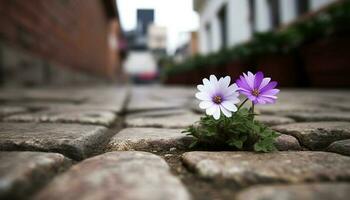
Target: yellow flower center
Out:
[217,99]
[255,92]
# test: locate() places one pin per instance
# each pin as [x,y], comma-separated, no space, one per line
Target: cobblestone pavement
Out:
[126,143]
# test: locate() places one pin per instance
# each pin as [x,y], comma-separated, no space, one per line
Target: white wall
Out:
[316,4]
[288,11]
[262,16]
[238,22]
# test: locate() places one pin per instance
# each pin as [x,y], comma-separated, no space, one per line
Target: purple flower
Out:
[258,89]
[217,96]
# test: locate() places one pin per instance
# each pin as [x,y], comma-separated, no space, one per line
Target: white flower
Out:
[217,96]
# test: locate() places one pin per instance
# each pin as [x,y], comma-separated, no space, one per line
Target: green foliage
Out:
[240,131]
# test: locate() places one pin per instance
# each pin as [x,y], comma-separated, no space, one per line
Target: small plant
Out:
[225,124]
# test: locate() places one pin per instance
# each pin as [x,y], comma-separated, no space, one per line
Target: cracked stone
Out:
[341,147]
[67,115]
[315,191]
[287,143]
[126,175]
[148,138]
[246,168]
[172,121]
[73,140]
[316,135]
[22,173]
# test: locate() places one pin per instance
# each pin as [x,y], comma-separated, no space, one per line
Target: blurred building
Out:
[188,49]
[157,40]
[225,23]
[137,39]
[59,42]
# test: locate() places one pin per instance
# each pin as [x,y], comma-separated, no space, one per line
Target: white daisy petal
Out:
[211,110]
[203,96]
[213,79]
[200,87]
[205,104]
[206,81]
[229,105]
[216,114]
[226,112]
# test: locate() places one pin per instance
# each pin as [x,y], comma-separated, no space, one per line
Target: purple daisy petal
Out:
[258,79]
[269,86]
[270,92]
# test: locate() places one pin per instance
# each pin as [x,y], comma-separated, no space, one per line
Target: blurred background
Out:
[300,43]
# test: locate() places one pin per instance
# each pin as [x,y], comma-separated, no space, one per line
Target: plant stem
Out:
[252,109]
[239,107]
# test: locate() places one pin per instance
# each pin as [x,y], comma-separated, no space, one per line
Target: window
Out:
[303,6]
[252,15]
[274,12]
[208,37]
[223,26]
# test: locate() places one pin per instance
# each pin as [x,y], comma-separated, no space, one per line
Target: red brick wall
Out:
[71,32]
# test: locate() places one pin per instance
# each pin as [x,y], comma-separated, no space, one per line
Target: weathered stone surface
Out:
[151,98]
[172,121]
[287,108]
[287,143]
[316,135]
[67,115]
[159,113]
[148,138]
[284,166]
[73,140]
[21,173]
[341,147]
[316,191]
[10,110]
[271,120]
[106,98]
[325,116]
[126,175]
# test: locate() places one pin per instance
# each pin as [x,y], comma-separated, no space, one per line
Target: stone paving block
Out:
[151,98]
[67,115]
[126,175]
[341,147]
[106,98]
[73,140]
[286,108]
[316,135]
[10,110]
[148,138]
[271,120]
[42,94]
[287,143]
[21,173]
[172,121]
[247,168]
[159,113]
[324,116]
[316,191]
